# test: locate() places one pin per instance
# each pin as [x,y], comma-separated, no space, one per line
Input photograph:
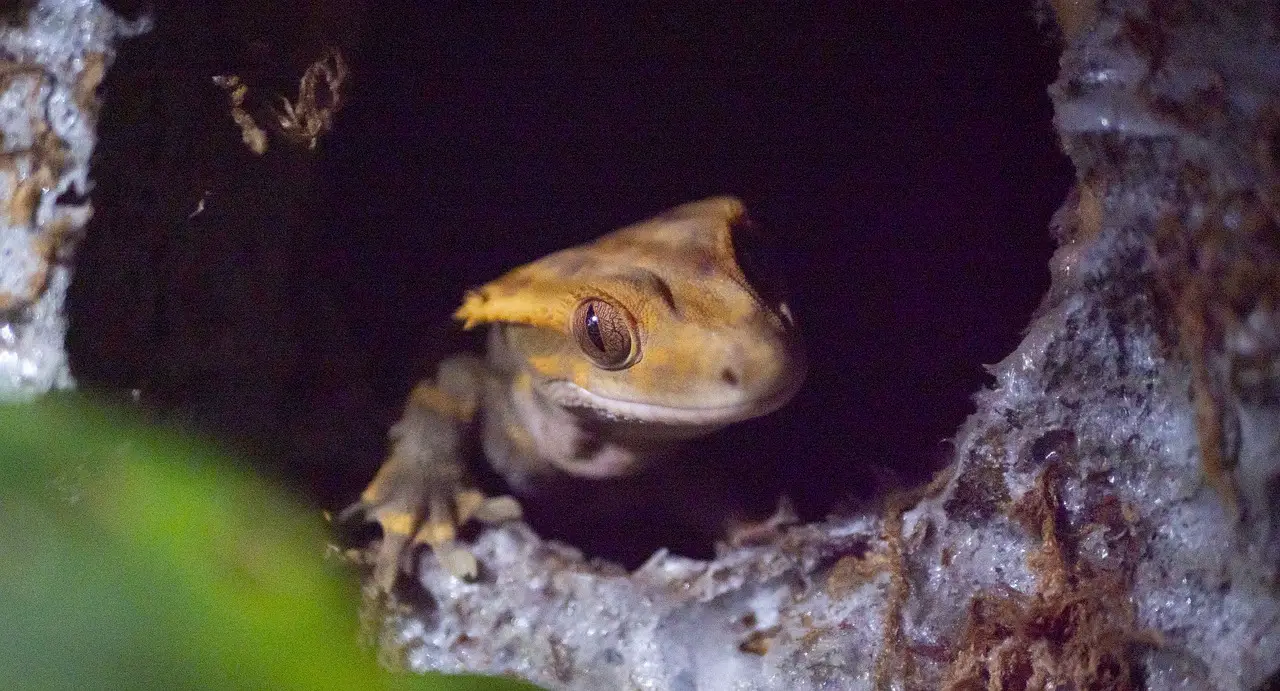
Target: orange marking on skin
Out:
[440,402]
[435,533]
[467,502]
[494,303]
[522,383]
[521,438]
[372,494]
[396,523]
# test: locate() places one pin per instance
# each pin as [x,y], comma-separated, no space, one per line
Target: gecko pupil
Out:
[593,327]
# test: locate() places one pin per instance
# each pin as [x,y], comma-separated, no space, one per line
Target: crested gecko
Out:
[600,360]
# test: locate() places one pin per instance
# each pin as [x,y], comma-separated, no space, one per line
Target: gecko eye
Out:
[606,333]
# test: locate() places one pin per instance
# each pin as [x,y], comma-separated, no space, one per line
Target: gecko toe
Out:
[458,561]
[501,509]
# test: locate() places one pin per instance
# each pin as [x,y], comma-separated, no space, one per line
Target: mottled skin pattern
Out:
[601,359]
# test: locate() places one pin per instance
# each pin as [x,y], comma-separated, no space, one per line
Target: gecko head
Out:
[665,327]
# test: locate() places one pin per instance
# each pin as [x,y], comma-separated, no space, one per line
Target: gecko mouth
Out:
[570,395]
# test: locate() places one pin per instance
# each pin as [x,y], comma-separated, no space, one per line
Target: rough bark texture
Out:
[1110,517]
[52,59]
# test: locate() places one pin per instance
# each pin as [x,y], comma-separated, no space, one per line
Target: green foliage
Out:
[135,558]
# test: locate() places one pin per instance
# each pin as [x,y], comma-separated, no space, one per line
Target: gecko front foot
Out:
[421,495]
[410,517]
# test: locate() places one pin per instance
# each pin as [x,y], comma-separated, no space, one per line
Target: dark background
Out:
[901,153]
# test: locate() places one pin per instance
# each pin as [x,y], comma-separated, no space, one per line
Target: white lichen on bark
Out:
[50,67]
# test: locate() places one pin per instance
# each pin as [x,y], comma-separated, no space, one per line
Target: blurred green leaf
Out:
[135,558]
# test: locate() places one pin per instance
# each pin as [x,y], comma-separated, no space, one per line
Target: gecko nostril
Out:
[729,377]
